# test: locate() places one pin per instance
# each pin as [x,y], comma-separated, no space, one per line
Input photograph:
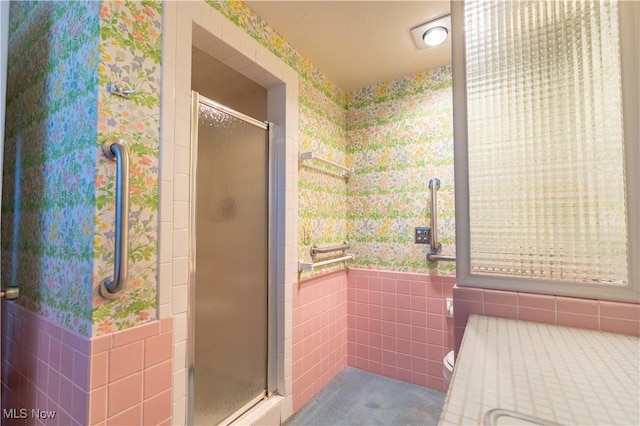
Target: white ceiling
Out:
[358,43]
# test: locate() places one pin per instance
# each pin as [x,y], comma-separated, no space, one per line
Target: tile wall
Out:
[602,315]
[396,325]
[319,334]
[122,378]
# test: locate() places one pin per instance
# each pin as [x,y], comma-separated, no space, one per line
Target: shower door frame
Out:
[271,382]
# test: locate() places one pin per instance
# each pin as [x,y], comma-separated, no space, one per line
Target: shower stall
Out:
[229,263]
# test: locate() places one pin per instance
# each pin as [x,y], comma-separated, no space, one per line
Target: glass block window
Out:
[545,140]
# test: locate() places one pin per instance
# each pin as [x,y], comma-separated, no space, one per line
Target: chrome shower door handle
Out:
[116,150]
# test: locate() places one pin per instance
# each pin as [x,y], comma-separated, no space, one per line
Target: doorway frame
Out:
[198,24]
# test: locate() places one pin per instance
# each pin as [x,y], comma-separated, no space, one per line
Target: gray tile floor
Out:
[356,397]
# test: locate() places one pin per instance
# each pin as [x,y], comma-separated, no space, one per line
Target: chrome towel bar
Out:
[434,246]
[309,155]
[308,266]
[116,150]
[342,247]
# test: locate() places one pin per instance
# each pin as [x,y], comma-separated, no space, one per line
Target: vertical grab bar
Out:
[116,150]
[434,246]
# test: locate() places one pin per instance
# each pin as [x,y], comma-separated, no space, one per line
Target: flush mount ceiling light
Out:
[431,33]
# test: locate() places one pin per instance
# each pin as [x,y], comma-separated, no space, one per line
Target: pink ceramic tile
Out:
[53,384]
[101,343]
[375,354]
[434,368]
[375,284]
[81,369]
[375,311]
[362,309]
[626,311]
[375,326]
[78,342]
[389,343]
[65,399]
[124,394]
[435,321]
[98,405]
[463,308]
[389,285]
[435,305]
[537,301]
[136,334]
[362,296]
[577,320]
[403,316]
[157,379]
[126,360]
[622,326]
[362,282]
[418,349]
[157,408]
[79,405]
[503,311]
[500,297]
[403,301]
[375,340]
[66,361]
[418,319]
[389,328]
[55,331]
[404,375]
[389,370]
[375,367]
[389,299]
[419,334]
[419,365]
[469,294]
[577,306]
[418,303]
[375,297]
[403,287]
[436,383]
[55,353]
[130,417]
[362,337]
[418,288]
[166,325]
[418,378]
[403,346]
[388,314]
[389,358]
[403,331]
[537,315]
[435,337]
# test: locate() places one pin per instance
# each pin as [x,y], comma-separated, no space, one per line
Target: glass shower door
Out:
[229,306]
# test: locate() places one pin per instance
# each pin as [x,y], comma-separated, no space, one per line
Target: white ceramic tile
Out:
[180,270]
[179,356]
[180,215]
[166,201]
[182,160]
[164,311]
[179,384]
[183,132]
[180,188]
[180,243]
[183,105]
[180,327]
[179,412]
[180,299]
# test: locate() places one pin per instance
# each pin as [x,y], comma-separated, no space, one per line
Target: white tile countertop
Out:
[552,373]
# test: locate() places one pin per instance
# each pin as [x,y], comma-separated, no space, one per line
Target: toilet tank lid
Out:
[449,359]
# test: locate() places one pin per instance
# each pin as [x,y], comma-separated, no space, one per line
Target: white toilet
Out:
[447,368]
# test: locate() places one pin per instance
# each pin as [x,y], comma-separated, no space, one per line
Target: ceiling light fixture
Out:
[432,33]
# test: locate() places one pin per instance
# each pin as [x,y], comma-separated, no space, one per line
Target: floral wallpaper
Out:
[58,188]
[48,192]
[399,136]
[130,54]
[395,135]
[322,191]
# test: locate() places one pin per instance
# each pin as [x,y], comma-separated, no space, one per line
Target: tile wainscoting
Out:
[121,378]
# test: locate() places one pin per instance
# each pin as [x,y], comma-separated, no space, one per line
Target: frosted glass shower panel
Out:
[230,359]
[545,140]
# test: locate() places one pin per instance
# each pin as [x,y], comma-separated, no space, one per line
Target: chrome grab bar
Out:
[308,266]
[434,246]
[315,250]
[116,150]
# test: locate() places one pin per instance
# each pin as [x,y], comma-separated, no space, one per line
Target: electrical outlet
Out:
[422,234]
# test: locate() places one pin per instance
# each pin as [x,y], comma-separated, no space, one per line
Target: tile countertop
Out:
[556,374]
